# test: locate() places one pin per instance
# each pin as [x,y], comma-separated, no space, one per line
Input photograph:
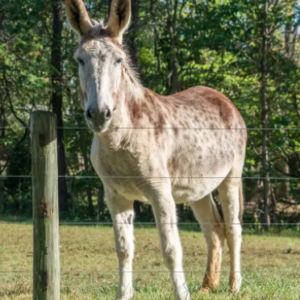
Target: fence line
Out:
[66,273]
[46,234]
[170,128]
[180,224]
[155,177]
[87,223]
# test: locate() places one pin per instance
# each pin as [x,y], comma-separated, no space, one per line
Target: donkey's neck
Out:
[121,128]
[131,93]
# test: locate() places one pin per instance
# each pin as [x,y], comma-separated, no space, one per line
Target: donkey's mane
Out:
[131,71]
[97,28]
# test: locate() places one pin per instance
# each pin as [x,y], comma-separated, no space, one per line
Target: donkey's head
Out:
[101,60]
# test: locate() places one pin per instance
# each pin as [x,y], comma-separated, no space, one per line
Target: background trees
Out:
[247,49]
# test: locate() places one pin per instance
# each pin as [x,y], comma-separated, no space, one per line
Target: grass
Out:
[271,265]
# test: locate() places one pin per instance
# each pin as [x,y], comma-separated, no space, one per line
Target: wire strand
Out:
[155,177]
[91,223]
[67,273]
[181,224]
[169,128]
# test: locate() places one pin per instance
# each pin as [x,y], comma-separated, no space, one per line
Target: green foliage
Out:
[217,44]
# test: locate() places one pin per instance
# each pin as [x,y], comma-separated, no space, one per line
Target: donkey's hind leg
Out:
[229,197]
[210,220]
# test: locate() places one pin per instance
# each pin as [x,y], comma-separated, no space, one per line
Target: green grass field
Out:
[271,265]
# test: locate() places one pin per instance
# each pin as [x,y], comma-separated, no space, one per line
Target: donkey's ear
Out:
[78,16]
[119,18]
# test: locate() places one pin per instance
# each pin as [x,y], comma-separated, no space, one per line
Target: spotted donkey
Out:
[160,150]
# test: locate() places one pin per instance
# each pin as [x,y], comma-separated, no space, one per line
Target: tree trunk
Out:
[171,24]
[2,154]
[156,39]
[289,35]
[1,195]
[56,100]
[132,34]
[109,6]
[180,209]
[86,168]
[264,119]
[137,205]
[100,206]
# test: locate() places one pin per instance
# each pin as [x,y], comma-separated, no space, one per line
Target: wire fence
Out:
[156,177]
[267,269]
[192,224]
[168,128]
[200,271]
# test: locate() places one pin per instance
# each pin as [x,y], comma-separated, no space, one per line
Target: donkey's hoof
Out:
[235,283]
[124,298]
[205,290]
[127,296]
[183,295]
[210,282]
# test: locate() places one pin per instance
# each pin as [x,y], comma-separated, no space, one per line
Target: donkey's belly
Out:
[191,190]
[197,168]
[192,181]
[193,174]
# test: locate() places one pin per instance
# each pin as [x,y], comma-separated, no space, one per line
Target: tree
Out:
[232,46]
[265,114]
[56,99]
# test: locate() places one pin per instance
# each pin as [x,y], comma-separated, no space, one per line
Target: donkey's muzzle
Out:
[98,119]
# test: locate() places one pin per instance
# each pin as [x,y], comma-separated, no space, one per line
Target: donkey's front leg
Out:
[165,214]
[122,214]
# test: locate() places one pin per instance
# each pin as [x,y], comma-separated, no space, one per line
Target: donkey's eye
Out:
[118,61]
[80,61]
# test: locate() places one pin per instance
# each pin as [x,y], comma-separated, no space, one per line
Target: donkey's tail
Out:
[241,198]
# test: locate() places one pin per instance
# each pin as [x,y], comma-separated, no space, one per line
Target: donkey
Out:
[160,150]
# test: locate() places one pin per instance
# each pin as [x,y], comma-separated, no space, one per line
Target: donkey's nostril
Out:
[107,114]
[89,114]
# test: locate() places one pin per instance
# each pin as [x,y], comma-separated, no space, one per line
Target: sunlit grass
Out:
[271,265]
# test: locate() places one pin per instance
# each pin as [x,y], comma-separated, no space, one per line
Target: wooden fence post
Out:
[46,261]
